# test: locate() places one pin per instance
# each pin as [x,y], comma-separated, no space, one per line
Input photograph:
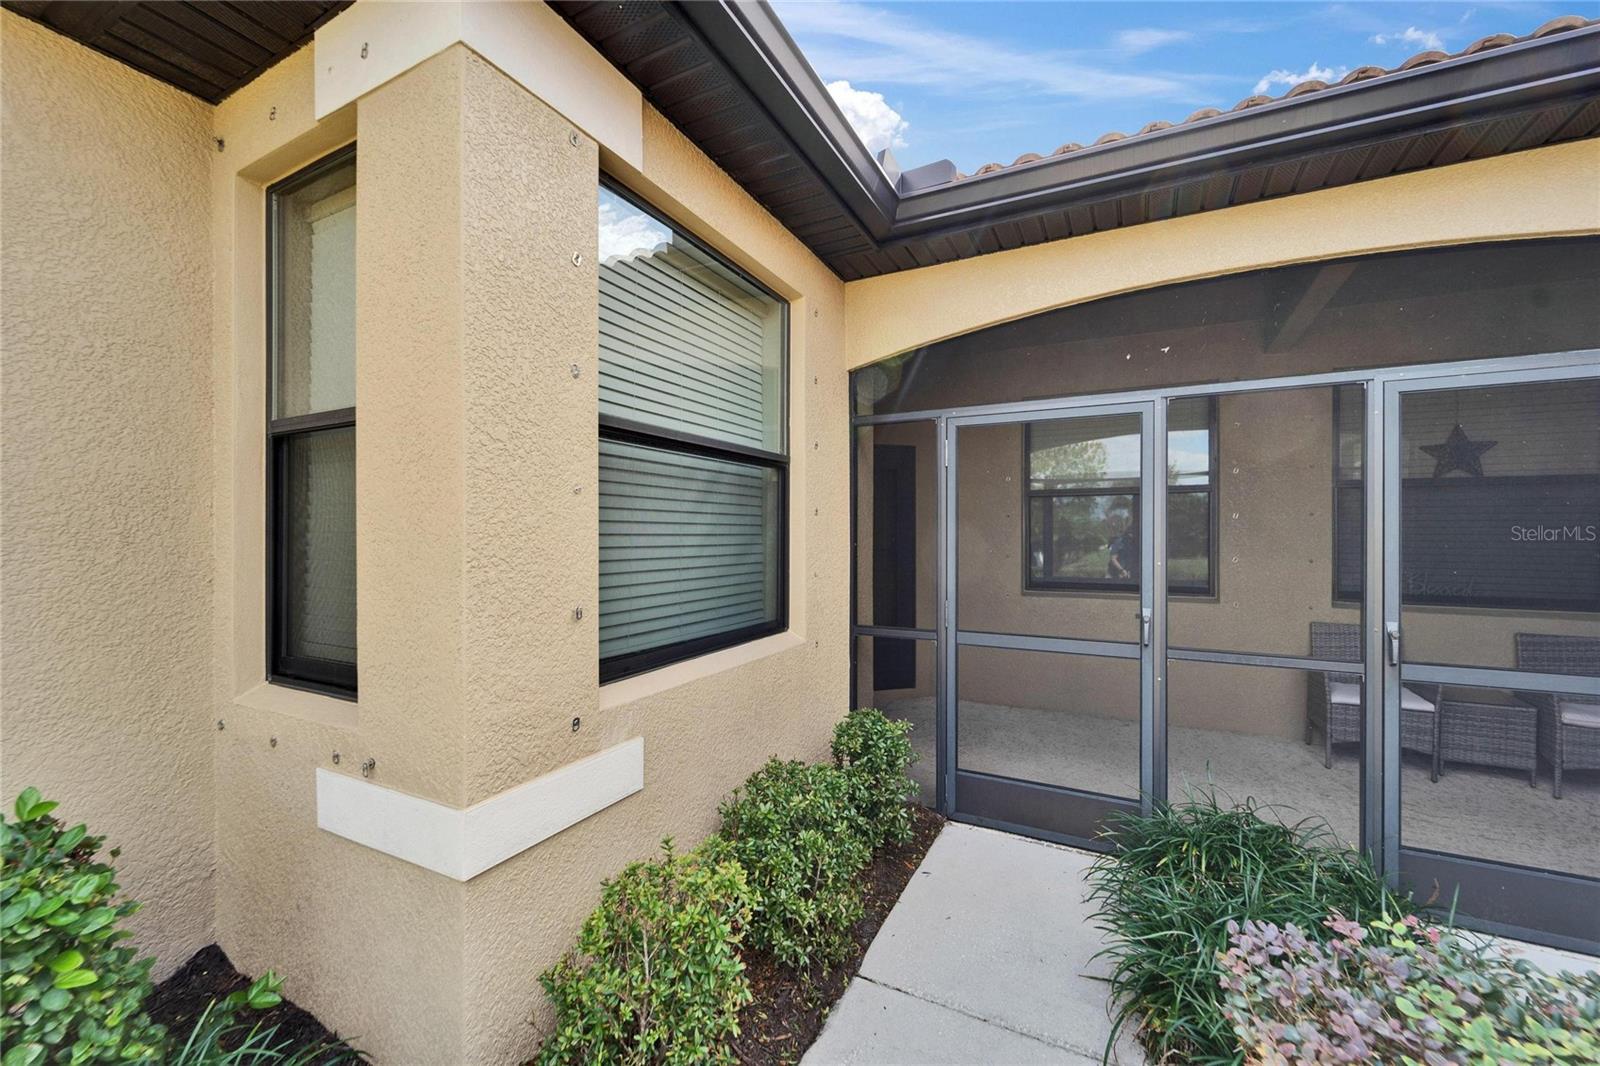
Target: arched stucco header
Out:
[1551,191]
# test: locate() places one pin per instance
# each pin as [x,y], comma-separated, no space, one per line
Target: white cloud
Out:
[877,124]
[867,44]
[1289,79]
[1426,40]
[1138,41]
[625,230]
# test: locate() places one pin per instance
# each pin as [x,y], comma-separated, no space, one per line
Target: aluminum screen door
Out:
[1048,694]
[1491,501]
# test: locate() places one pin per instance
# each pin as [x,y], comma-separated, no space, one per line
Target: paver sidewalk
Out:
[986,958]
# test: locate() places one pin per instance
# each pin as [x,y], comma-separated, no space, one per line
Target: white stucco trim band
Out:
[370,43]
[463,843]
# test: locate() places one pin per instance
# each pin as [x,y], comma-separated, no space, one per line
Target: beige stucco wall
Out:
[134,554]
[105,470]
[1544,192]
[395,995]
[477,510]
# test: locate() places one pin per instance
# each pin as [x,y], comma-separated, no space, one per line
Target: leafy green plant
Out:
[1398,990]
[875,752]
[656,976]
[220,1038]
[73,991]
[1178,879]
[796,831]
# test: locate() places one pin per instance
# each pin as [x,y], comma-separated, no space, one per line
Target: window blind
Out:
[685,350]
[687,547]
[691,446]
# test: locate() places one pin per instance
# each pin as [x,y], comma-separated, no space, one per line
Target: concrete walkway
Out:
[986,958]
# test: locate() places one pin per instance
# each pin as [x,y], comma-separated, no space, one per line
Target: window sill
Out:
[298,703]
[639,686]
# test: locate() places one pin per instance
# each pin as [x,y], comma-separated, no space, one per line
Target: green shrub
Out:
[874,751]
[1180,876]
[656,975]
[73,992]
[1400,991]
[796,832]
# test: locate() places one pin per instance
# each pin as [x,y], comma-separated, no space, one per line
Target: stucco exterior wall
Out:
[1545,192]
[477,468]
[106,468]
[134,498]
[706,723]
[397,996]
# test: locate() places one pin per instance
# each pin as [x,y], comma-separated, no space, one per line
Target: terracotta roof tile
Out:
[1563,24]
[1422,59]
[1312,86]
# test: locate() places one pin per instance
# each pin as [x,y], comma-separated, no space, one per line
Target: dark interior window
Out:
[1082,494]
[311,427]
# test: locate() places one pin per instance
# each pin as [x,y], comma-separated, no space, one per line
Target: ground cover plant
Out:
[1185,872]
[74,991]
[1398,990]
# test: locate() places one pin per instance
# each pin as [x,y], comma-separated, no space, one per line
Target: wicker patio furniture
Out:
[1569,726]
[1485,727]
[1335,706]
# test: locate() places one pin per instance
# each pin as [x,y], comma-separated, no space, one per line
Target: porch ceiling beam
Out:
[1325,284]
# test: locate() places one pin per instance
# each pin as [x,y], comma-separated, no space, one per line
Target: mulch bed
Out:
[179,1001]
[790,1006]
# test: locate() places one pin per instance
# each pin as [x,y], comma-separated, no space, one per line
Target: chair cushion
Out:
[1348,694]
[1581,714]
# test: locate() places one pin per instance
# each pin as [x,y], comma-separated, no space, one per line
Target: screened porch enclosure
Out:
[1322,538]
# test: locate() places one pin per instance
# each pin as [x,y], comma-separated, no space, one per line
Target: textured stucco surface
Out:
[1544,192]
[705,734]
[105,469]
[399,996]
[476,522]
[134,547]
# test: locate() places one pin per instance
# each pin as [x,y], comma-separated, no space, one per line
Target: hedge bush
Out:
[1398,990]
[1179,877]
[796,831]
[875,753]
[656,975]
[73,991]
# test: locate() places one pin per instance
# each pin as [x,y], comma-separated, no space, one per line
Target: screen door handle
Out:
[1144,628]
[1393,642]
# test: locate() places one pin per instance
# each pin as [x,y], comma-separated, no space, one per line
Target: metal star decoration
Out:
[1458,453]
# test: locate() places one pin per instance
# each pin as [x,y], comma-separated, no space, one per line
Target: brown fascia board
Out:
[753,44]
[1439,96]
[759,51]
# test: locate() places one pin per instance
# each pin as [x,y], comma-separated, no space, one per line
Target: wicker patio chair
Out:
[1335,706]
[1569,726]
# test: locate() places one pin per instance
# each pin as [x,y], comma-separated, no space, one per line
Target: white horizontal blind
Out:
[684,348]
[687,547]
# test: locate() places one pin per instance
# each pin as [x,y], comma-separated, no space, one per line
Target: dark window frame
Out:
[1210,490]
[626,431]
[291,671]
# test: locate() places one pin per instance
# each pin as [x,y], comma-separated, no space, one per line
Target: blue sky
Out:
[980,82]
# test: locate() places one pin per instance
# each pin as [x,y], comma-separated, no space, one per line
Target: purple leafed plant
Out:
[1402,991]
